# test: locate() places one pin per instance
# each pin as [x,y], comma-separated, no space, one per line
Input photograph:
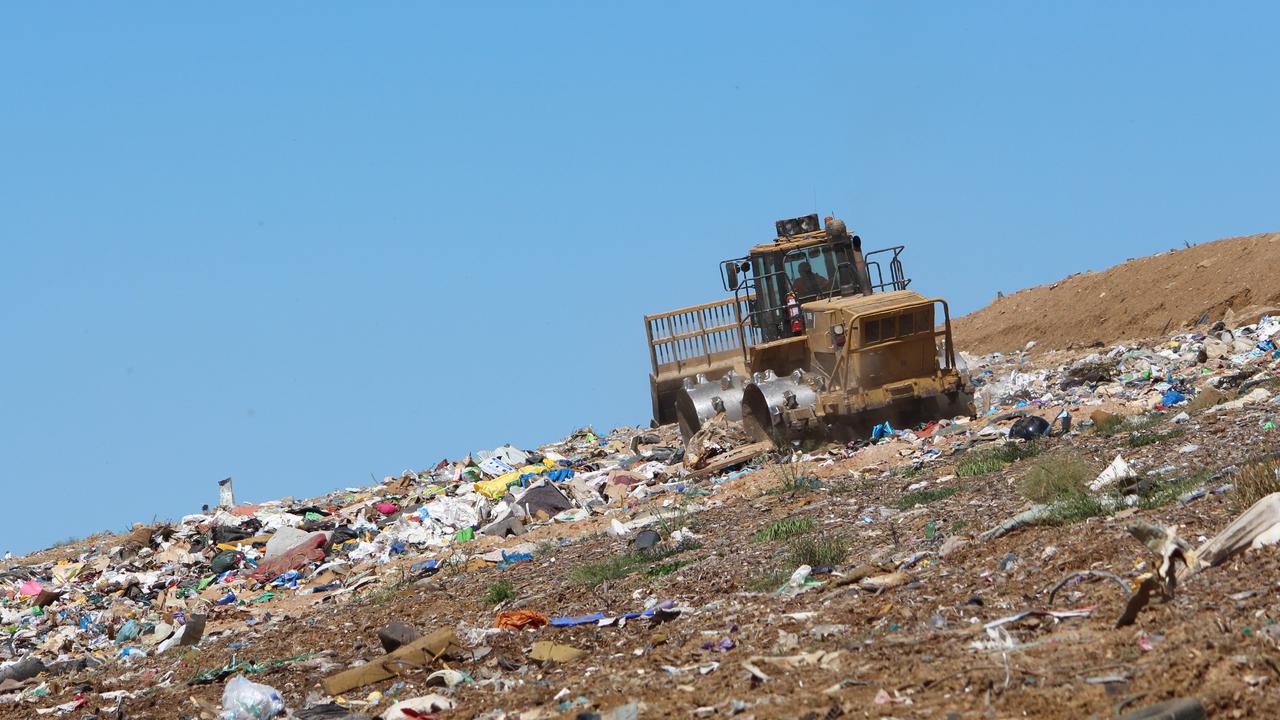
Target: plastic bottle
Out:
[245,700]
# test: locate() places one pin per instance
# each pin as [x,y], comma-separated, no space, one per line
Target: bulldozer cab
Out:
[809,261]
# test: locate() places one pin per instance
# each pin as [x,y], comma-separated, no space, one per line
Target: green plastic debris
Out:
[244,666]
[1268,425]
[466,535]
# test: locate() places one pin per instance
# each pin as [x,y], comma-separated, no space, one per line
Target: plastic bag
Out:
[881,431]
[245,700]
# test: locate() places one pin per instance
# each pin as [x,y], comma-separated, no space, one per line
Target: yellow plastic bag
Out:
[497,487]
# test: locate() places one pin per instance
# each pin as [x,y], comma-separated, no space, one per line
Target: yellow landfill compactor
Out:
[816,342]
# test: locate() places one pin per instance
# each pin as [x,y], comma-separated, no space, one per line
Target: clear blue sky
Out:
[306,243]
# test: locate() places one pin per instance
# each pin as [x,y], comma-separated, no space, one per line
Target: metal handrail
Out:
[897,278]
[694,335]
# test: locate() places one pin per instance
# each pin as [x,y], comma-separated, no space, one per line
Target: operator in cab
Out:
[808,283]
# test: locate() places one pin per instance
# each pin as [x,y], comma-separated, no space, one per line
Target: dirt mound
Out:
[1141,298]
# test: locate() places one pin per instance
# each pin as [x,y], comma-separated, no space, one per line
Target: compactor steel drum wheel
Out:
[701,399]
[768,396]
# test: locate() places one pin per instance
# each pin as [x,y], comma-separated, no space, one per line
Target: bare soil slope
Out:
[1141,298]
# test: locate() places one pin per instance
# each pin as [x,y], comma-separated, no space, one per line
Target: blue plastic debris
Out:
[513,559]
[129,631]
[576,620]
[1173,397]
[597,617]
[425,566]
[881,431]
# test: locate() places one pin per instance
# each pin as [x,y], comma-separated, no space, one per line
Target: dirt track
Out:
[1141,298]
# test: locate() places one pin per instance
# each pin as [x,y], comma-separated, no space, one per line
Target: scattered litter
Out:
[243,699]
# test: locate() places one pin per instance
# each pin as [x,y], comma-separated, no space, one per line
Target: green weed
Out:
[1077,508]
[793,481]
[662,569]
[784,529]
[907,472]
[978,465]
[500,592]
[926,496]
[593,574]
[1162,494]
[983,462]
[768,581]
[1057,477]
[825,551]
[620,566]
[1143,439]
[1063,482]
[384,593]
[1254,482]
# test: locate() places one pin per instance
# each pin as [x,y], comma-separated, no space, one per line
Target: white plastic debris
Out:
[799,576]
[284,540]
[683,535]
[1118,470]
[226,494]
[493,467]
[246,700]
[425,704]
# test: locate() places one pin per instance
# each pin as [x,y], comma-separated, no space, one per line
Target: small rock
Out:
[646,540]
[396,634]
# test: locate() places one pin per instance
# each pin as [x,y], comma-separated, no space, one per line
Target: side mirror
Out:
[732,270]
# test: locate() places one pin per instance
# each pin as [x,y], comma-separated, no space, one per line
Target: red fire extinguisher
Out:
[794,314]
